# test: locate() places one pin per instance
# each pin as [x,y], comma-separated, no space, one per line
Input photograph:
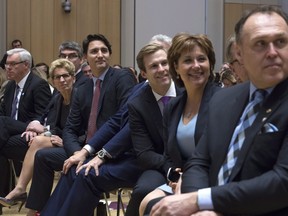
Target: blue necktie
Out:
[14,103]
[246,120]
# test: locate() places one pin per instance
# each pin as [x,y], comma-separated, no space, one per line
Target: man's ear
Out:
[143,74]
[238,54]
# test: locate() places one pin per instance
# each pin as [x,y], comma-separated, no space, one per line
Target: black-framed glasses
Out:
[58,77]
[70,56]
[12,64]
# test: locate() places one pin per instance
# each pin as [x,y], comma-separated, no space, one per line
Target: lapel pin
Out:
[268,110]
[264,119]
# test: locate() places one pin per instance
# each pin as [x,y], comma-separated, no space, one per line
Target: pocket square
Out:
[268,128]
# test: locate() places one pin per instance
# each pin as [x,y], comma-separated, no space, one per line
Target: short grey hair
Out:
[161,38]
[24,55]
[71,45]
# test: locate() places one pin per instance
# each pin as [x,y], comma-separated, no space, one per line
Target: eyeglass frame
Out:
[70,56]
[64,76]
[13,64]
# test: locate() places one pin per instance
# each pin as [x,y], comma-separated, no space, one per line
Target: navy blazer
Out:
[114,93]
[114,136]
[258,184]
[171,117]
[33,101]
[146,126]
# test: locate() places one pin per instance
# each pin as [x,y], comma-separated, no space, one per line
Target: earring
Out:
[177,77]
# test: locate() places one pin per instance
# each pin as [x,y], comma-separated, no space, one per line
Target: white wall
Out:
[169,17]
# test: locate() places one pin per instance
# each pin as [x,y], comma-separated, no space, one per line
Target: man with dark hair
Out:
[240,166]
[93,102]
[14,44]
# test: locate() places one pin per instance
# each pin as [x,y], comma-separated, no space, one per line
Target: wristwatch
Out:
[103,154]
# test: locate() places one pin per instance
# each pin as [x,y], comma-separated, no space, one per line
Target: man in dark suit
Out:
[115,87]
[145,119]
[240,164]
[29,102]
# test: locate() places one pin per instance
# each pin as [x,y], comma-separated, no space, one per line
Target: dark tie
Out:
[247,119]
[15,102]
[165,100]
[94,110]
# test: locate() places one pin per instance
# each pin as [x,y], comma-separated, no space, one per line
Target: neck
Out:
[66,97]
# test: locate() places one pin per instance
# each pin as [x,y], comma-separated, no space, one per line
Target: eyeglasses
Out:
[58,77]
[69,56]
[12,64]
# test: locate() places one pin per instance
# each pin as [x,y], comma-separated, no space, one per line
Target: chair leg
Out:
[107,204]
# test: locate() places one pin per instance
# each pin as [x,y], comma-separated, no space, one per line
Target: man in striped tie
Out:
[240,166]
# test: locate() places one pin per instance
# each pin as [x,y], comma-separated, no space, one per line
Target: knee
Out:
[40,142]
[151,196]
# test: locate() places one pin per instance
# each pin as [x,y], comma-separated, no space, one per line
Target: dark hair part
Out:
[147,50]
[183,42]
[264,9]
[97,37]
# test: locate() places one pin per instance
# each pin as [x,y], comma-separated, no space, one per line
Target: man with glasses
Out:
[72,51]
[25,99]
[238,69]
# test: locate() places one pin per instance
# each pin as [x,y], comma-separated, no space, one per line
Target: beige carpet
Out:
[13,211]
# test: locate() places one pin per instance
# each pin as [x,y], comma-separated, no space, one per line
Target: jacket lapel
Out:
[269,107]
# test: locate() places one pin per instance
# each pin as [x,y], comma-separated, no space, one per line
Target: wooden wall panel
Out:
[43,25]
[64,23]
[87,19]
[42,20]
[109,25]
[232,13]
[18,22]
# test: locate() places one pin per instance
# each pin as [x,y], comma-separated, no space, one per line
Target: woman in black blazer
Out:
[191,61]
[40,136]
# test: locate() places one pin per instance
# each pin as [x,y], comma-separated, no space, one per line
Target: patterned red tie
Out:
[92,128]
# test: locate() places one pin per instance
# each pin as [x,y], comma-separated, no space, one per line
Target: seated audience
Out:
[93,103]
[240,166]
[48,134]
[191,59]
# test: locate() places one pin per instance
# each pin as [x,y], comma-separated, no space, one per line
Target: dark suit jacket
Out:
[115,135]
[114,93]
[54,115]
[259,181]
[146,126]
[35,97]
[171,117]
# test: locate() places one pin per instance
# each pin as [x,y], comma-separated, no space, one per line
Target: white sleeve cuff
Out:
[205,199]
[89,148]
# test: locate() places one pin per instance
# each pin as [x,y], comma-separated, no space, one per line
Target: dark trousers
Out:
[79,194]
[12,146]
[148,181]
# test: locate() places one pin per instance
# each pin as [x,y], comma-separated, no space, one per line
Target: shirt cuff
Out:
[89,149]
[205,199]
